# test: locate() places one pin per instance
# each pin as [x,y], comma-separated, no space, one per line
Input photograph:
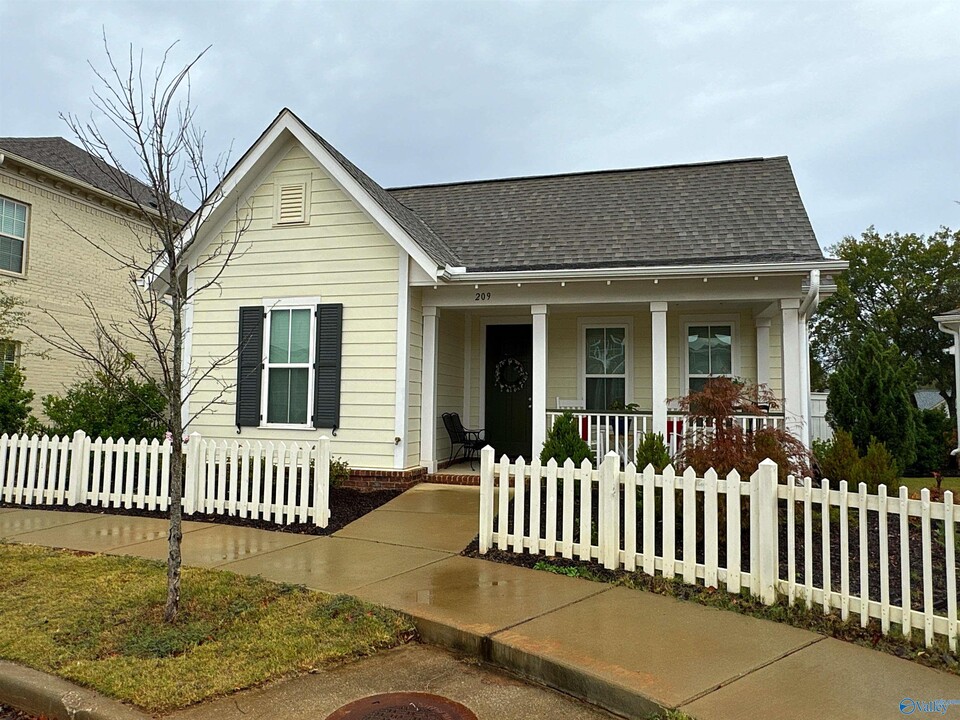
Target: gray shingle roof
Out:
[725,212]
[421,233]
[66,158]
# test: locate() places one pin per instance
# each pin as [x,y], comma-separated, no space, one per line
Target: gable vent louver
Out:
[291,203]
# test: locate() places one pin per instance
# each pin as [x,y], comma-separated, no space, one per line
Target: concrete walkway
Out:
[628,651]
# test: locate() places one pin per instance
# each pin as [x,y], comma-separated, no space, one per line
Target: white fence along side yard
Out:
[262,481]
[899,565]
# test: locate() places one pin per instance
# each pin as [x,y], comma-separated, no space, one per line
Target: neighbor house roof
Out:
[929,399]
[737,211]
[64,157]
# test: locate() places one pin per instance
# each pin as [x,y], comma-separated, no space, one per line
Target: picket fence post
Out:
[767,518]
[609,529]
[191,472]
[77,487]
[487,461]
[322,492]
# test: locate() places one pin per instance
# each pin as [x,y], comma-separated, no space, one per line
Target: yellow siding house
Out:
[368,314]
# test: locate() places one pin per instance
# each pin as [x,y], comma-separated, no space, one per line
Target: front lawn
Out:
[916,484]
[97,620]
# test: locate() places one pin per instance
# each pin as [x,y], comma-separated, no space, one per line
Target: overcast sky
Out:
[863,97]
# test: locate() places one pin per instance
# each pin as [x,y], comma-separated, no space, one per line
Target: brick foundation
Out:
[367,480]
[469,480]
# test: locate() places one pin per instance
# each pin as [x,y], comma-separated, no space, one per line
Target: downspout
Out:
[955,331]
[808,309]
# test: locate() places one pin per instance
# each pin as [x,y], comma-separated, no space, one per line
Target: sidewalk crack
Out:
[751,671]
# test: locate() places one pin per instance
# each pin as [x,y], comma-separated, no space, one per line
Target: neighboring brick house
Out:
[51,192]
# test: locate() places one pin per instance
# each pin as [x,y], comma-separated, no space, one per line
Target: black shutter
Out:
[326,386]
[249,366]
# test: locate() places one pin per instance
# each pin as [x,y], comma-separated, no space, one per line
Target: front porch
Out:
[617,366]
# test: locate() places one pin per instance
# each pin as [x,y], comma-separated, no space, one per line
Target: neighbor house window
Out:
[605,365]
[9,354]
[709,353]
[289,365]
[13,234]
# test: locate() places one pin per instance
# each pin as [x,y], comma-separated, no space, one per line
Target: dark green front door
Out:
[508,395]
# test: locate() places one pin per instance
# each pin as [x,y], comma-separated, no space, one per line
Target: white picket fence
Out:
[629,519]
[277,483]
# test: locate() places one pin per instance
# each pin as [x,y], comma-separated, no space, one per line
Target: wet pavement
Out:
[628,651]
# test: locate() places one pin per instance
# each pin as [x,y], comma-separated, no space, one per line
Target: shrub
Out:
[339,471]
[652,451]
[720,443]
[934,442]
[108,408]
[14,402]
[876,467]
[839,459]
[564,441]
[870,398]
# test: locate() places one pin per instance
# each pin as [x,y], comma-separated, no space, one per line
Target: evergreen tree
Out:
[564,441]
[870,398]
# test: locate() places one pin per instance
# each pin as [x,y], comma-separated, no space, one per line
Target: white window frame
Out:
[596,323]
[688,321]
[4,344]
[25,239]
[295,303]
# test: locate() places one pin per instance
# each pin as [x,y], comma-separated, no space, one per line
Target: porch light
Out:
[563,284]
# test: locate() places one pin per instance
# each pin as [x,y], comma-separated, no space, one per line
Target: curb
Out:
[531,667]
[38,693]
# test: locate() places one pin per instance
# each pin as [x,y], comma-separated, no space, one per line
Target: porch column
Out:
[428,391]
[658,312]
[792,372]
[763,350]
[538,380]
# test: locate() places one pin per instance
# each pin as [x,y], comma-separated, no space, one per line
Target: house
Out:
[950,324]
[57,203]
[367,313]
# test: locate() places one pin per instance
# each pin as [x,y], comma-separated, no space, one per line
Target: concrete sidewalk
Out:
[628,651]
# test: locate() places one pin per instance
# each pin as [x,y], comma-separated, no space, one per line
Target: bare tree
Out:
[149,117]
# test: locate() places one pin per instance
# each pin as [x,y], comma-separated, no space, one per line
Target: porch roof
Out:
[708,213]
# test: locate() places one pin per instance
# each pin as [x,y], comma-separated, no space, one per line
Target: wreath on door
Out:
[510,375]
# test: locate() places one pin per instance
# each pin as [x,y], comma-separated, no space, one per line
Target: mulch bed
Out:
[8,713]
[914,528]
[346,505]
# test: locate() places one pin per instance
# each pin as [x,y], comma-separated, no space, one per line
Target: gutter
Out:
[641,272]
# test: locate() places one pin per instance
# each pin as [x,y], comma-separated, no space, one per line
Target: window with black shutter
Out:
[249,366]
[289,365]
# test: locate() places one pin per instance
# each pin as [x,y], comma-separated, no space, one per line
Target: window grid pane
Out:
[300,336]
[13,219]
[709,354]
[280,336]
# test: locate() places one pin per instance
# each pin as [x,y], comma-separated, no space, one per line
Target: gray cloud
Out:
[864,98]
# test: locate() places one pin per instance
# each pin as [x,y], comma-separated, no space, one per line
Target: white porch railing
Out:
[273,482]
[727,532]
[622,433]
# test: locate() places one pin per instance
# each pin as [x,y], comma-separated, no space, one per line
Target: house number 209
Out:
[481,296]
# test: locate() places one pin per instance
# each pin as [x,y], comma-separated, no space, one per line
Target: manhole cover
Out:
[403,706]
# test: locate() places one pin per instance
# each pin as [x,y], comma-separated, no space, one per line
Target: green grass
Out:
[915,485]
[97,620]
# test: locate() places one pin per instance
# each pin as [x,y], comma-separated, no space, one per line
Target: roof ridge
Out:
[581,173]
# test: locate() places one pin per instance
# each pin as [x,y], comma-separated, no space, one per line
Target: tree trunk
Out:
[175,534]
[174,383]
